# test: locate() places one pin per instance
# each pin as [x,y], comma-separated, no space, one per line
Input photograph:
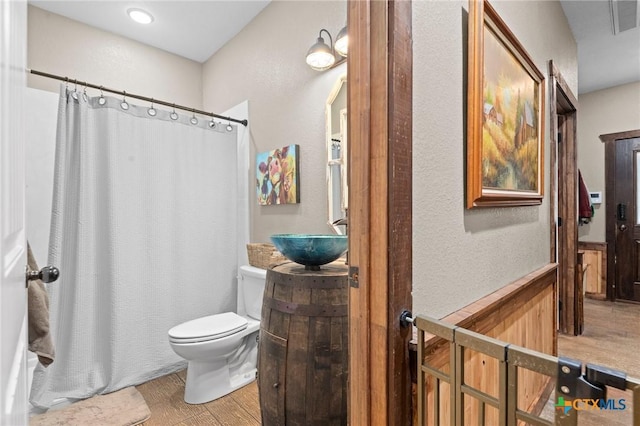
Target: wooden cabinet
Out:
[594,265]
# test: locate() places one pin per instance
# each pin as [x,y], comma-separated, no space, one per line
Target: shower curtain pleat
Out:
[144,225]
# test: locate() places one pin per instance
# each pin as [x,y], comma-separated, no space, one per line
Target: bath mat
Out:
[125,407]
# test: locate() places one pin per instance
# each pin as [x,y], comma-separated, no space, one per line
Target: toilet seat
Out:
[208,328]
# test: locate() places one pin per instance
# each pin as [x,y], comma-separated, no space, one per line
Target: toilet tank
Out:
[251,281]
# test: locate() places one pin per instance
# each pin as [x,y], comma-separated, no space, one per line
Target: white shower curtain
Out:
[144,231]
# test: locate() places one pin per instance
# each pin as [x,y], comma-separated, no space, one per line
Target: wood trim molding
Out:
[399,207]
[380,176]
[359,117]
[612,137]
[559,92]
[561,84]
[610,232]
[553,162]
[564,181]
[592,245]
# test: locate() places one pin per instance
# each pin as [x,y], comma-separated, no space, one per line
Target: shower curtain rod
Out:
[131,95]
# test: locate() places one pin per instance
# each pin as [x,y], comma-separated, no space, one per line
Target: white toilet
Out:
[222,349]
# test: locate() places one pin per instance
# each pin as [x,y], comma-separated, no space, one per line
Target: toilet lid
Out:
[208,328]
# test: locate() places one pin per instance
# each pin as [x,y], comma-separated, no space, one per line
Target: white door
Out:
[13,303]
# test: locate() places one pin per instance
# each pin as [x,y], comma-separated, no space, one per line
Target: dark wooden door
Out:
[626,219]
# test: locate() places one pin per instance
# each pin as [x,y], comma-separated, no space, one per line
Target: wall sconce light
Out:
[321,56]
[342,42]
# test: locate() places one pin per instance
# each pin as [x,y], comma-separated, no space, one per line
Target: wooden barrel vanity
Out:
[303,350]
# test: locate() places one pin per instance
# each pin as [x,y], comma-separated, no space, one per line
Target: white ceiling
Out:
[604,59]
[197,29]
[192,29]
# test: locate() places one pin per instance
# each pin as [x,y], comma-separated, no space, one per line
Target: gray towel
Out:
[40,341]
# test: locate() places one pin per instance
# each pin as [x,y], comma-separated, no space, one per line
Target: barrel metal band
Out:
[306,310]
[319,283]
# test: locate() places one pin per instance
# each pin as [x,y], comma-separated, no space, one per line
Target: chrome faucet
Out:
[344,221]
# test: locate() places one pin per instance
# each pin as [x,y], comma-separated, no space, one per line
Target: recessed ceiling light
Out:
[140,16]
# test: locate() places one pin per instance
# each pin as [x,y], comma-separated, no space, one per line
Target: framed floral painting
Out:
[277,176]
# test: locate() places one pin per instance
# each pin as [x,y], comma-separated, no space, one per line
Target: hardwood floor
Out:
[611,338]
[164,397]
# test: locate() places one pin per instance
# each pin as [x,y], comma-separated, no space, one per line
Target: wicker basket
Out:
[261,255]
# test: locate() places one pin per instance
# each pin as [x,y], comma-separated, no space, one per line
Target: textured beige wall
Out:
[61,46]
[604,111]
[460,255]
[265,64]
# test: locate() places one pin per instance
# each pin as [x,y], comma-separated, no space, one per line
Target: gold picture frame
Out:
[505,116]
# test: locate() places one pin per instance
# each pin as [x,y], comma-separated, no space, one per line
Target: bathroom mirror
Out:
[336,118]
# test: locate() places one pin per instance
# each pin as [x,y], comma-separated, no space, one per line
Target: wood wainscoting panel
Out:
[595,268]
[522,313]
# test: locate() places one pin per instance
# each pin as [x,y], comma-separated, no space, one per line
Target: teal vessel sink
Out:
[310,250]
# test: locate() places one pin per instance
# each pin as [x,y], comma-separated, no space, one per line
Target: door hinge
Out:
[353,276]
[559,221]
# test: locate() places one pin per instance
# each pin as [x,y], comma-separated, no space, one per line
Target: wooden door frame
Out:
[564,190]
[379,92]
[610,141]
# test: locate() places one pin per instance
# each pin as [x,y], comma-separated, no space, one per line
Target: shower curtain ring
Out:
[85,97]
[194,120]
[229,126]
[124,105]
[173,115]
[152,111]
[102,100]
[212,123]
[74,95]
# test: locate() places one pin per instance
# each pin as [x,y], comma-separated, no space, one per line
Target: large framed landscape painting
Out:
[505,116]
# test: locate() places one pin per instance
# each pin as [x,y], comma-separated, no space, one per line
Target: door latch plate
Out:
[353,276]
